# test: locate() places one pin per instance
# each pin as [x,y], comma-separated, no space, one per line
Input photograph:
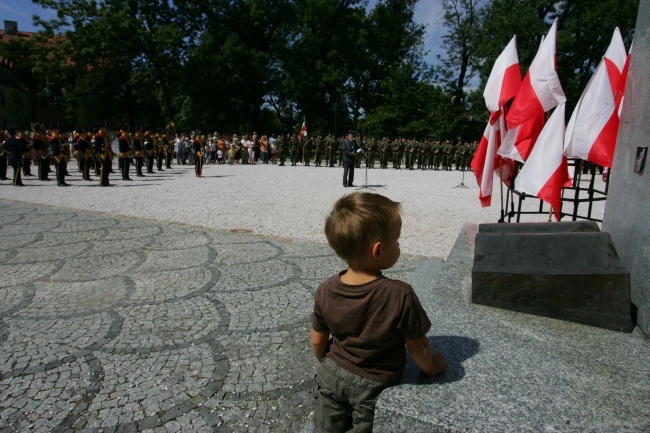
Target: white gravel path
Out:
[286,202]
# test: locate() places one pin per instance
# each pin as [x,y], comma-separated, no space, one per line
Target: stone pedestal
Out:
[561,270]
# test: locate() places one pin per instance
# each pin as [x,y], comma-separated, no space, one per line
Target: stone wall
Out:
[627,214]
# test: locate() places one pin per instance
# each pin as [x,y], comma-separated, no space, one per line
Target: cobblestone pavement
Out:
[122,324]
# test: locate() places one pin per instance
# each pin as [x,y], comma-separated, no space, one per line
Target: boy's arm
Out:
[319,343]
[430,364]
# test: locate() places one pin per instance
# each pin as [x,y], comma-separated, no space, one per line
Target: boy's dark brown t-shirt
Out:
[369,323]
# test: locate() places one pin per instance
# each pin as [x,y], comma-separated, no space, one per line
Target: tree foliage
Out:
[259,65]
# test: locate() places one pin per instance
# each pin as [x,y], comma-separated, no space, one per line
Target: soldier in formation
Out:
[41,146]
[126,149]
[16,150]
[57,150]
[103,151]
[294,146]
[318,150]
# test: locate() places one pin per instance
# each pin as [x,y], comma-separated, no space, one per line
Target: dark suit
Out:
[349,148]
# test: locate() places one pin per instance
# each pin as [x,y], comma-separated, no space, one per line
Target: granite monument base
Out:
[567,271]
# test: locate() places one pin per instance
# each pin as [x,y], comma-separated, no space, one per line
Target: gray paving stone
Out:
[120,324]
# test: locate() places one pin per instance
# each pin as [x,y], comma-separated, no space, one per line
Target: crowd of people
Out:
[319,150]
[96,149]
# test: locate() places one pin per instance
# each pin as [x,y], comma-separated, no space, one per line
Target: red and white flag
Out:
[486,163]
[504,79]
[519,141]
[303,129]
[593,128]
[546,171]
[501,86]
[541,89]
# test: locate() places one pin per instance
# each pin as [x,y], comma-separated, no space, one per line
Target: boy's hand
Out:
[438,362]
[430,364]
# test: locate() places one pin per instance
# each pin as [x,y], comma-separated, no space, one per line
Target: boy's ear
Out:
[376,250]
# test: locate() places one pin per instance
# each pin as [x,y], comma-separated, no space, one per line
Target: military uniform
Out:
[371,152]
[149,148]
[282,149]
[330,150]
[169,151]
[294,145]
[318,151]
[447,155]
[126,150]
[3,159]
[160,149]
[84,154]
[57,150]
[409,152]
[139,152]
[361,144]
[27,160]
[396,148]
[423,155]
[103,152]
[384,149]
[16,149]
[41,146]
[198,156]
[307,149]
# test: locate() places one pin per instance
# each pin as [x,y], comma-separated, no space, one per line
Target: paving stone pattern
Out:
[112,324]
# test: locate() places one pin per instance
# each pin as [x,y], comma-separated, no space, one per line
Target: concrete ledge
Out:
[515,372]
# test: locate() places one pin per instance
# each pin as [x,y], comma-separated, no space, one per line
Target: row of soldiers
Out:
[92,150]
[423,155]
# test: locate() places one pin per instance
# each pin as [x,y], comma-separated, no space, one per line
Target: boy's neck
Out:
[356,276]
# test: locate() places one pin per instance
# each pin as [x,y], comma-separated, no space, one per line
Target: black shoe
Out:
[47,179]
[351,186]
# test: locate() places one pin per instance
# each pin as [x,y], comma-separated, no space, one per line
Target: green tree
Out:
[464,22]
[121,39]
[584,32]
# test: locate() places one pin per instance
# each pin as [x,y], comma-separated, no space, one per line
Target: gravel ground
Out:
[286,202]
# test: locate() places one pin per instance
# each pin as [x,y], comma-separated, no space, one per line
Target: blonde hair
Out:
[358,220]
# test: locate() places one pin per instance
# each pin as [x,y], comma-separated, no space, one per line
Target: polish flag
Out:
[593,128]
[519,141]
[486,163]
[546,171]
[504,79]
[541,89]
[303,129]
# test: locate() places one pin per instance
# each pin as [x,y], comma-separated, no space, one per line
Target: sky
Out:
[427,12]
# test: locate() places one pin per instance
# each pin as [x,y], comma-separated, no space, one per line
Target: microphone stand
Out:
[462,182]
[365,186]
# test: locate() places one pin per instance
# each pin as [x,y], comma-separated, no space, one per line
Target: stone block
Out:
[559,227]
[574,276]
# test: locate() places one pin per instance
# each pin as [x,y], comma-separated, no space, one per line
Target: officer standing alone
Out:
[350,149]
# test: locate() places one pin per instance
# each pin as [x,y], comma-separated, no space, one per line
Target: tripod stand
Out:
[462,182]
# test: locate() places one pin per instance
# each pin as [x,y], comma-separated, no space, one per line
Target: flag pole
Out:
[503,217]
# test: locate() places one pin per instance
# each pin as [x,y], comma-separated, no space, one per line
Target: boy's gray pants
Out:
[345,402]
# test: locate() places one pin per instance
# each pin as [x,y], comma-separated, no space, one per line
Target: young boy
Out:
[370,317]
